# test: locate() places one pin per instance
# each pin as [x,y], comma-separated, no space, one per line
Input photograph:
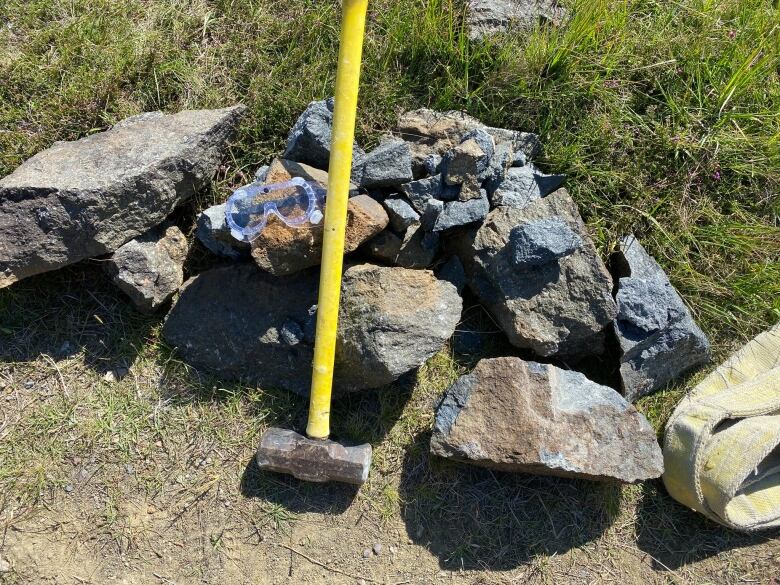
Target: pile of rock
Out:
[443,203]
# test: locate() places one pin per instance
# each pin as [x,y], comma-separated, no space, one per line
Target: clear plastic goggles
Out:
[296,203]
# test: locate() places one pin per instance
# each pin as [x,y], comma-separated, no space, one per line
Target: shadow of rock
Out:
[674,535]
[473,518]
[68,311]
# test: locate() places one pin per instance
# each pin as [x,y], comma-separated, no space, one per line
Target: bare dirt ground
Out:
[146,477]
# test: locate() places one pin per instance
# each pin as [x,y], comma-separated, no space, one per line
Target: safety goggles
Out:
[295,202]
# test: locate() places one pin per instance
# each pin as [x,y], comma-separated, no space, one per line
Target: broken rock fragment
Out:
[76,200]
[658,337]
[543,241]
[558,307]
[391,321]
[389,164]
[214,233]
[150,268]
[487,17]
[521,185]
[516,415]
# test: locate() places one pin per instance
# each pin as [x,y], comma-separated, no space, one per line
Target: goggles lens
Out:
[296,203]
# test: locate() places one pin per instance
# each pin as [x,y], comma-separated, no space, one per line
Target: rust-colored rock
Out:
[280,249]
[282,170]
[515,415]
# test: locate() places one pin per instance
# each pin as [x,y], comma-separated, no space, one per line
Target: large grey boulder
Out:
[309,139]
[559,307]
[238,322]
[488,17]
[391,321]
[150,268]
[80,199]
[514,415]
[659,340]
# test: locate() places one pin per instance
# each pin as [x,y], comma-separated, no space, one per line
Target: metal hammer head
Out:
[317,460]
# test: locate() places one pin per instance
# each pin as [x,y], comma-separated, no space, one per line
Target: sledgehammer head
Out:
[317,460]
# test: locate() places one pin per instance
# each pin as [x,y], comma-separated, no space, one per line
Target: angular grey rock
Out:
[523,185]
[485,18]
[432,164]
[659,340]
[416,248]
[461,213]
[391,321]
[502,159]
[453,272]
[543,241]
[309,139]
[150,268]
[401,213]
[514,415]
[236,323]
[526,143]
[421,191]
[86,198]
[433,209]
[388,165]
[561,307]
[213,232]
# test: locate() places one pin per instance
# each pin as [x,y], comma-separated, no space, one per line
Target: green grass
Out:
[665,116]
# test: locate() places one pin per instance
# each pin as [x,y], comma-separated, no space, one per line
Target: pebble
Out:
[68,488]
[367,553]
[377,548]
[5,566]
[29,384]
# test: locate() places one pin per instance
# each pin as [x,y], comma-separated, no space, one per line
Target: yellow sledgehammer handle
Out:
[347,82]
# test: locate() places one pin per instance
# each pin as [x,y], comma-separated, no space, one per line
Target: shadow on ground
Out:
[673,535]
[72,310]
[475,518]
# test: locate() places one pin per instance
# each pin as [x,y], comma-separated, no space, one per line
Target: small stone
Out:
[432,164]
[29,384]
[309,139]
[486,18]
[461,213]
[499,165]
[465,160]
[291,332]
[542,241]
[433,209]
[129,469]
[420,192]
[68,488]
[401,213]
[150,268]
[528,417]
[393,550]
[377,548]
[417,248]
[5,566]
[391,321]
[213,232]
[366,553]
[388,165]
[523,185]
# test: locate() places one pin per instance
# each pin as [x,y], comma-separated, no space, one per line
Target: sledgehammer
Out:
[314,457]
